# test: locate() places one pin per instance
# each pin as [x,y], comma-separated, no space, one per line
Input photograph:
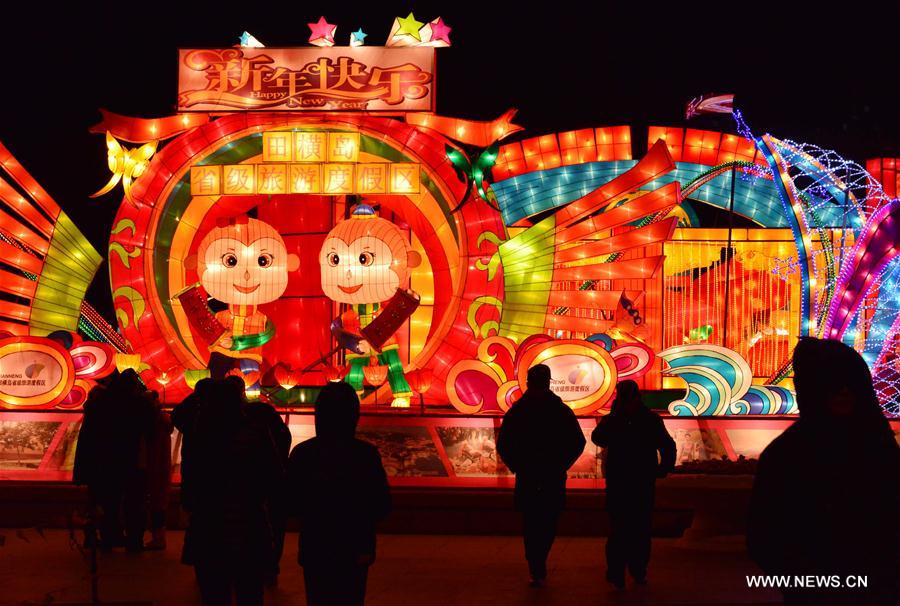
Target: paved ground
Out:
[415,570]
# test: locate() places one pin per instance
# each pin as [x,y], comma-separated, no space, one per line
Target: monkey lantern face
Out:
[244,264]
[363,261]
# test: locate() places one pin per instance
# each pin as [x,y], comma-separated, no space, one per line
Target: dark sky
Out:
[810,72]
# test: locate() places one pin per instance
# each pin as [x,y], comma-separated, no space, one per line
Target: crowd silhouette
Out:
[823,500]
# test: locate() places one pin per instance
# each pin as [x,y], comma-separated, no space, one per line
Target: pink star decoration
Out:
[440,30]
[322,33]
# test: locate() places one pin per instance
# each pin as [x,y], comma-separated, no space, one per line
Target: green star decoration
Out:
[410,26]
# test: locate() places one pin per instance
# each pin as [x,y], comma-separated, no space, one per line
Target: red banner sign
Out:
[306,79]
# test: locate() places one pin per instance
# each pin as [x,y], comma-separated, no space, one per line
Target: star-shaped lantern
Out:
[440,33]
[322,32]
[406,31]
[358,37]
[410,26]
[248,40]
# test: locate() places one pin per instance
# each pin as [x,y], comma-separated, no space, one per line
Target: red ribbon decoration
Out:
[143,130]
[479,134]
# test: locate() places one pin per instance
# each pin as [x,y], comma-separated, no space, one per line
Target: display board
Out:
[434,450]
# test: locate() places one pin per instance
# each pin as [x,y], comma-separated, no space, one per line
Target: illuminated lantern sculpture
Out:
[420,380]
[365,262]
[125,361]
[242,262]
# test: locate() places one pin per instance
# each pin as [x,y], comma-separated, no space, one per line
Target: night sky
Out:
[808,73]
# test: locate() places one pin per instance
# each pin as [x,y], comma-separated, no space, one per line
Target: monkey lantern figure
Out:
[242,262]
[365,262]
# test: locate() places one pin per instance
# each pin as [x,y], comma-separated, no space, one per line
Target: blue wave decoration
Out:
[719,383]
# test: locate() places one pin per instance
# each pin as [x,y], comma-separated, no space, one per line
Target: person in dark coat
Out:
[159,472]
[266,415]
[338,489]
[638,451]
[184,415]
[111,458]
[827,490]
[234,468]
[184,418]
[539,440]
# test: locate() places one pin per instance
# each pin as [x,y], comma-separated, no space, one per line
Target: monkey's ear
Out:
[413,259]
[293,262]
[190,262]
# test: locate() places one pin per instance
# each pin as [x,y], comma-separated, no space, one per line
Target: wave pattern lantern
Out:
[719,383]
[583,373]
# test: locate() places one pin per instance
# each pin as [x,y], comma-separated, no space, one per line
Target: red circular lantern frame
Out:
[143,317]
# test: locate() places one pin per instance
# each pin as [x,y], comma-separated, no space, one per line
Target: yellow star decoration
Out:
[410,26]
[125,164]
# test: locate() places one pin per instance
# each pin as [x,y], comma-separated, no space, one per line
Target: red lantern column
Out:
[303,314]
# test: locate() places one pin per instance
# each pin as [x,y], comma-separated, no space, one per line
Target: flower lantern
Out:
[125,361]
[335,374]
[287,378]
[249,378]
[193,376]
[375,373]
[420,380]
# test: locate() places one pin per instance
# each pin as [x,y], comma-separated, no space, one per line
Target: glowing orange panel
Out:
[239,179]
[404,178]
[632,269]
[23,234]
[343,147]
[14,310]
[660,199]
[306,178]
[573,324]
[206,180]
[372,178]
[19,258]
[271,179]
[277,146]
[643,236]
[14,328]
[338,178]
[24,208]
[310,147]
[585,299]
[621,134]
[508,161]
[657,162]
[17,285]
[27,183]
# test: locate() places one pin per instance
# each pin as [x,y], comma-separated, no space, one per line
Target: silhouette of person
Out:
[111,458]
[159,472]
[184,418]
[539,440]
[638,450]
[234,469]
[827,490]
[266,415]
[338,489]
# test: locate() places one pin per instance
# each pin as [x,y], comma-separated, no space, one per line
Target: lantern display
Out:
[128,361]
[374,373]
[242,262]
[420,380]
[193,376]
[365,262]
